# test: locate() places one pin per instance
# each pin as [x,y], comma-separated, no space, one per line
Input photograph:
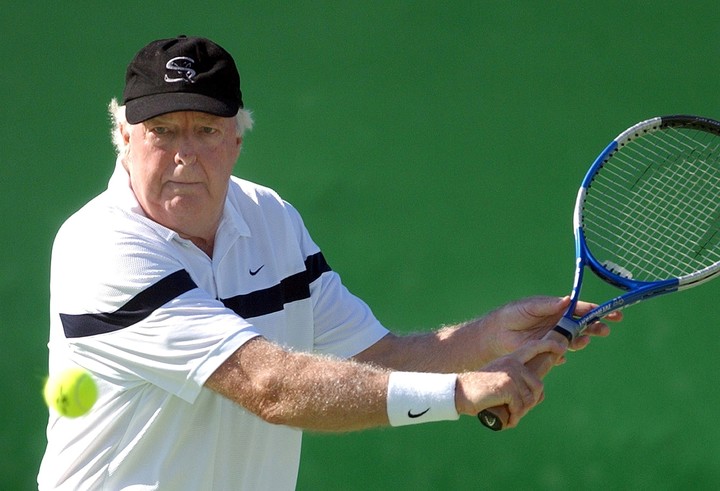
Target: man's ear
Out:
[238,148]
[125,132]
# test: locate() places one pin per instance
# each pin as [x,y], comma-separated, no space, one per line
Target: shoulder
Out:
[241,190]
[263,208]
[101,226]
[252,199]
[102,245]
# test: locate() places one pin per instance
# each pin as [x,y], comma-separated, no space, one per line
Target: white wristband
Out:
[415,398]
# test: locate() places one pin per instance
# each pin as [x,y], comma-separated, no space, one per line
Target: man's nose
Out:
[186,153]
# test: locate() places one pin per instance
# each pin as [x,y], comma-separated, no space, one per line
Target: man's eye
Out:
[160,130]
[208,130]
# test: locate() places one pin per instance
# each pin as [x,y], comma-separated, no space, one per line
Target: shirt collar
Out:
[121,191]
[232,218]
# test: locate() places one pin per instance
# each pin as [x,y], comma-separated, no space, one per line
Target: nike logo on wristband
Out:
[416,415]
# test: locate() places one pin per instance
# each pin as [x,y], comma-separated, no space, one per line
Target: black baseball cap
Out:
[181,74]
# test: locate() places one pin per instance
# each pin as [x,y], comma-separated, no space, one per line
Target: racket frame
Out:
[571,326]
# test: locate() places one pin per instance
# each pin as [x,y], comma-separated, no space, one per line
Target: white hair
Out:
[243,122]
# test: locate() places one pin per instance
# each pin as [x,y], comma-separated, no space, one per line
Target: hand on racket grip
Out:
[496,418]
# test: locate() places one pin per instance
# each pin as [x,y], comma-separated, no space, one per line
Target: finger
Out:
[530,392]
[529,387]
[531,350]
[597,329]
[517,409]
[535,389]
[526,393]
[582,308]
[579,343]
[548,306]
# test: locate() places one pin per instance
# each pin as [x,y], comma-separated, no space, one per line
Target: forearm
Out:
[451,349]
[473,344]
[326,394]
[310,392]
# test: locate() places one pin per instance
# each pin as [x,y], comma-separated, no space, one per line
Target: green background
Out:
[434,150]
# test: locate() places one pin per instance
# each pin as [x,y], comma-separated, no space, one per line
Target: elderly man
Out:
[213,325]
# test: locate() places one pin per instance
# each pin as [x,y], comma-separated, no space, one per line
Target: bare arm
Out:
[474,344]
[327,394]
[448,350]
[303,390]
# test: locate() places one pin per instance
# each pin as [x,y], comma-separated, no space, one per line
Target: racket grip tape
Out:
[496,418]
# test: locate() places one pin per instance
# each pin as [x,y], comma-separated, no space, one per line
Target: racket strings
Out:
[653,209]
[656,201]
[653,201]
[692,186]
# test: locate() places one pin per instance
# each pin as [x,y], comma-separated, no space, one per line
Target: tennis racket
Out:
[646,220]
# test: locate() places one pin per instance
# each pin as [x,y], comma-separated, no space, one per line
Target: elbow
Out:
[263,379]
[270,402]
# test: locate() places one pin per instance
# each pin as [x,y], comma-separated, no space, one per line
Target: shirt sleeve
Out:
[344,324]
[123,305]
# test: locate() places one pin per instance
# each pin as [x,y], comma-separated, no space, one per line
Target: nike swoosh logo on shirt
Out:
[253,273]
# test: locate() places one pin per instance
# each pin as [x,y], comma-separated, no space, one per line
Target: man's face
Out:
[179,166]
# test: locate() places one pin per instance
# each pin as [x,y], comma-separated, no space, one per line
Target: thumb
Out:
[548,306]
[535,348]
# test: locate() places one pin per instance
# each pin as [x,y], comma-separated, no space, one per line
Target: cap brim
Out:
[150,106]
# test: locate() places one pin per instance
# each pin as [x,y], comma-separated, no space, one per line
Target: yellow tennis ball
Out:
[71,392]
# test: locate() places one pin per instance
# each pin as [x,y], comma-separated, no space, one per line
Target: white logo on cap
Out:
[182,65]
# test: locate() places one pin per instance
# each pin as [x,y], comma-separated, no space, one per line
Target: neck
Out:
[207,246]
[202,237]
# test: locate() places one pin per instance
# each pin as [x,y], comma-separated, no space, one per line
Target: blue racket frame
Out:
[570,325]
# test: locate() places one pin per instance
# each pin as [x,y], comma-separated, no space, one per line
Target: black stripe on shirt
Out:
[291,289]
[137,309]
[316,265]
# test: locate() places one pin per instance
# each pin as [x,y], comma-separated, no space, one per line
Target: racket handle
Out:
[496,418]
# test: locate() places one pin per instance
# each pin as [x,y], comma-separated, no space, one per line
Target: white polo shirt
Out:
[151,316]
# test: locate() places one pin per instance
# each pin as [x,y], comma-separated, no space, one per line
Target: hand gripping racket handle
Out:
[496,418]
